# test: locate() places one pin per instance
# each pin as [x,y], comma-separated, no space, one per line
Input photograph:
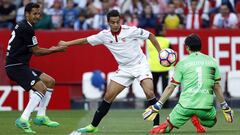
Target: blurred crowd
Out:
[156,14]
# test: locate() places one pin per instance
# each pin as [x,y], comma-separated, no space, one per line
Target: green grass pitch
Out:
[117,122]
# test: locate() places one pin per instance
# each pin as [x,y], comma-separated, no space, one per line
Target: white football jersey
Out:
[124,46]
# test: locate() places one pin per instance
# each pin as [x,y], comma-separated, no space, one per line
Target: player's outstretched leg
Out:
[44,120]
[99,114]
[197,124]
[24,125]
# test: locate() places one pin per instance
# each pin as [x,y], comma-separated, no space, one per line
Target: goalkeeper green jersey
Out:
[197,74]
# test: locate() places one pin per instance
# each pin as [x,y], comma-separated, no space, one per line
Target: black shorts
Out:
[23,75]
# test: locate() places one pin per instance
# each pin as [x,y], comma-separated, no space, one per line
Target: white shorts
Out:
[125,75]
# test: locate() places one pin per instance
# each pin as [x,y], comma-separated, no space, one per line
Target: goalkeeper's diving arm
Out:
[167,93]
[227,111]
[151,112]
[218,92]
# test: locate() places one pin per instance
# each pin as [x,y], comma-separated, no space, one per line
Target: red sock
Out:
[197,124]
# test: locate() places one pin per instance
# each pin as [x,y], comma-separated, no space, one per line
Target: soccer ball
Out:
[167,57]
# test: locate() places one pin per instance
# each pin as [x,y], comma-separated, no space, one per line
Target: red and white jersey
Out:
[123,45]
[229,22]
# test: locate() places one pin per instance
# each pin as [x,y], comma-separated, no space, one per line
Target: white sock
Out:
[32,104]
[44,103]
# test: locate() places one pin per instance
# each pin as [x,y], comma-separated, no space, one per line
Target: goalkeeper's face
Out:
[114,23]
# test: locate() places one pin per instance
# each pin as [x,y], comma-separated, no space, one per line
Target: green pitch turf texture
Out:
[117,122]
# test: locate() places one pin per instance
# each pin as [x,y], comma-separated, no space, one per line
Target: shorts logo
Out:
[34,73]
[33,82]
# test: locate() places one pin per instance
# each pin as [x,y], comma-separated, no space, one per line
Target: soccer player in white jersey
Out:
[122,42]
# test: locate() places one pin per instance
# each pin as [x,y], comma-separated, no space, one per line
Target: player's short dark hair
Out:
[193,42]
[30,6]
[112,13]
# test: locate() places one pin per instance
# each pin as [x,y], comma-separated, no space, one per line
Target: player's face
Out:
[34,16]
[114,23]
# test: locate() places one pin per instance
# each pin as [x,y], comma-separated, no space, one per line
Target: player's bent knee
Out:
[109,97]
[209,123]
[40,86]
[50,82]
[47,80]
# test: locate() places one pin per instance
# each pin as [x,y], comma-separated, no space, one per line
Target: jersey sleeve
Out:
[177,77]
[140,33]
[217,76]
[96,39]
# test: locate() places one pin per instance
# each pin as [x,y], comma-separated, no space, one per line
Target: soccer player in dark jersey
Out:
[22,44]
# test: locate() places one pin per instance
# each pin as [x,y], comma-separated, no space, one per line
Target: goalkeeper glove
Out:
[227,112]
[152,111]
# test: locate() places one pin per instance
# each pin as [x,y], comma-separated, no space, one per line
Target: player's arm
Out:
[227,111]
[154,41]
[38,51]
[167,92]
[80,41]
[218,92]
[151,112]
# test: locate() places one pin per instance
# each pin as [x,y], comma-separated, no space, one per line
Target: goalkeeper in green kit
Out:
[199,75]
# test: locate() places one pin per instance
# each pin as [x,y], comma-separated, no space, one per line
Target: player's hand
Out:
[150,113]
[228,114]
[62,43]
[58,48]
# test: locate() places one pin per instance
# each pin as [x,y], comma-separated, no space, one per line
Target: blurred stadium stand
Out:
[233,83]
